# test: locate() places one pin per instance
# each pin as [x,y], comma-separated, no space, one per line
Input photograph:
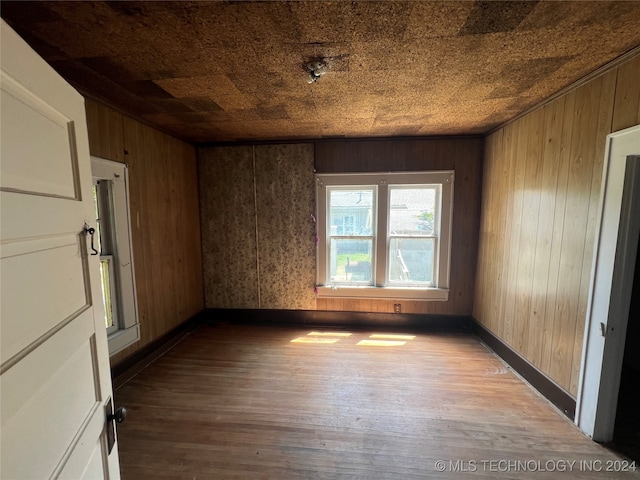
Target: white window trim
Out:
[440,292]
[128,329]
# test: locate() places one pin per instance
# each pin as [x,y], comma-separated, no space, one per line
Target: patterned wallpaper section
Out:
[227,215]
[276,268]
[285,193]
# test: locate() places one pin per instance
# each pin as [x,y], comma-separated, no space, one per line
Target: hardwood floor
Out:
[247,402]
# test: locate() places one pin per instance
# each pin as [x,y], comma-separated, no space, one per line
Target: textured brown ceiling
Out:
[234,70]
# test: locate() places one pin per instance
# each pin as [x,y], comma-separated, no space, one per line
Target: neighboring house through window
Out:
[113,242]
[385,235]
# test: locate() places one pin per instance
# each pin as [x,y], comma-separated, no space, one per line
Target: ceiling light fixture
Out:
[316,69]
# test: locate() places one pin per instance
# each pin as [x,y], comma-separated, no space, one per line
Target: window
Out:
[113,242]
[385,235]
[344,225]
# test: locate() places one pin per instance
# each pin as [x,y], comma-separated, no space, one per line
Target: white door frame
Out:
[610,288]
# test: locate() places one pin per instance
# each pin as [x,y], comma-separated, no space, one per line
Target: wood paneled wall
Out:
[257,231]
[464,155]
[541,187]
[163,190]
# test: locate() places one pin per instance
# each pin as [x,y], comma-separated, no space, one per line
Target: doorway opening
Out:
[626,433]
[610,294]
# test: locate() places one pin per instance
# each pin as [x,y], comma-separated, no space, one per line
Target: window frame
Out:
[105,245]
[118,230]
[372,237]
[380,255]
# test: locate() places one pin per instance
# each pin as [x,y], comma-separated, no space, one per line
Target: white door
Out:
[612,273]
[54,365]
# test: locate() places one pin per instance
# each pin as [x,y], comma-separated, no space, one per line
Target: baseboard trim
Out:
[538,380]
[326,318]
[123,371]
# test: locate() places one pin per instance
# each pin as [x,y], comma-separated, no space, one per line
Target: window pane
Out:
[96,204]
[105,277]
[412,210]
[411,261]
[350,212]
[350,261]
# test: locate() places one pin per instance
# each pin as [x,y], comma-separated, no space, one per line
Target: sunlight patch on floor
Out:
[322,340]
[381,343]
[374,340]
[383,336]
[329,334]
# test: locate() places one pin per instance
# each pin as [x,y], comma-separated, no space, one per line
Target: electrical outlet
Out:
[397,308]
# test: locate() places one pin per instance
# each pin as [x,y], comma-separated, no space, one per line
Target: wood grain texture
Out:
[602,126]
[553,159]
[464,155]
[245,402]
[106,133]
[627,96]
[553,115]
[164,216]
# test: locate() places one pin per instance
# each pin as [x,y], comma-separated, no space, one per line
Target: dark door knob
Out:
[119,416]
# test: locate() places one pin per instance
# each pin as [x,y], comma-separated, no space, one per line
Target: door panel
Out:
[52,394]
[49,270]
[77,466]
[38,144]
[54,363]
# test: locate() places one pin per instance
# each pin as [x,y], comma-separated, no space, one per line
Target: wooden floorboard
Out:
[235,402]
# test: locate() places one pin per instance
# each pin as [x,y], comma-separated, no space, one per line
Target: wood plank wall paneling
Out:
[106,134]
[541,187]
[258,236]
[163,190]
[464,155]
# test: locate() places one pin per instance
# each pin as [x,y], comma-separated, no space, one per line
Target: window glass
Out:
[96,203]
[412,215]
[106,278]
[350,212]
[350,260]
[351,215]
[385,235]
[411,261]
[101,198]
[411,210]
